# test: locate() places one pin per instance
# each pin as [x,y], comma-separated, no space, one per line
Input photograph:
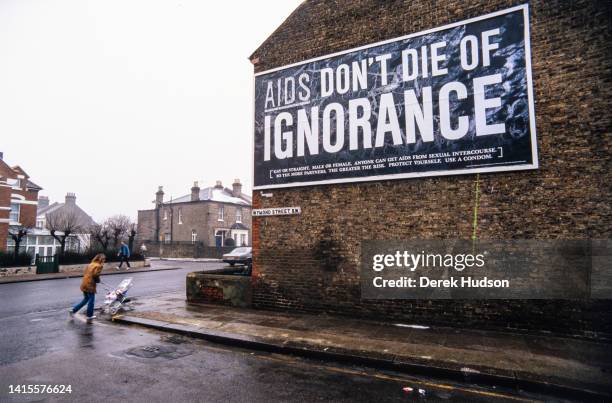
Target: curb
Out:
[178,259]
[482,376]
[110,273]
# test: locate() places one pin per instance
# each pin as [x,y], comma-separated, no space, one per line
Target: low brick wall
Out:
[185,250]
[69,268]
[219,287]
[17,271]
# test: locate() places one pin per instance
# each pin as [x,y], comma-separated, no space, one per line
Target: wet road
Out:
[36,296]
[108,362]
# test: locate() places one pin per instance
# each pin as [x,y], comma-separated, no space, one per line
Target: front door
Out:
[219,238]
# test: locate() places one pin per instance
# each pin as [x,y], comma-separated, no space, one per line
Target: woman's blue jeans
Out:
[89,298]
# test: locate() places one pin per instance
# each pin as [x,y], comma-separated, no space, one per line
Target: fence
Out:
[196,250]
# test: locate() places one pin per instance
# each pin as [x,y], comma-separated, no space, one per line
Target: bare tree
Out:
[17,233]
[62,224]
[119,226]
[102,234]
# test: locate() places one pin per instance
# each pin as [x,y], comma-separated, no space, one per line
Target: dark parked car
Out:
[242,255]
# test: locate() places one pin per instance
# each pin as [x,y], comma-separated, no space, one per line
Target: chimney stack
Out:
[195,192]
[70,199]
[1,155]
[236,188]
[159,196]
[43,202]
[218,185]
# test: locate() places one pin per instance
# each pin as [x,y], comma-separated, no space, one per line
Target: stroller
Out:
[116,298]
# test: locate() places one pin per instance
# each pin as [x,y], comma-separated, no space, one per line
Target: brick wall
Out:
[195,250]
[311,262]
[146,226]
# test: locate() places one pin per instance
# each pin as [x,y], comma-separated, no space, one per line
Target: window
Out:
[220,214]
[243,240]
[194,236]
[180,216]
[167,237]
[14,216]
[239,215]
[40,223]
[165,214]
[15,183]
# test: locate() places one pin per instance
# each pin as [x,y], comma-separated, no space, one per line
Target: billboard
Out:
[451,100]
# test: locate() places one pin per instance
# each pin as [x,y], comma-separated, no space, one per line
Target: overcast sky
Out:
[111,98]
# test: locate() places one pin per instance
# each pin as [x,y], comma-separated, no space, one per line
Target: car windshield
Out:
[240,250]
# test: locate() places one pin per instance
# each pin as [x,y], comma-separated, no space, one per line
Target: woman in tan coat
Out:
[91,276]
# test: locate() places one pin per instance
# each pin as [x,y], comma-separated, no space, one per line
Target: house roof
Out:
[48,209]
[19,170]
[33,186]
[222,195]
[239,226]
[85,220]
[299,14]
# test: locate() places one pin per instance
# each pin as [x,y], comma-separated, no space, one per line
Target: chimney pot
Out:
[43,201]
[219,185]
[195,192]
[237,188]
[70,198]
[1,155]
[159,196]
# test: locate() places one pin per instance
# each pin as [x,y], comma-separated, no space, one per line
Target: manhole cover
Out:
[153,351]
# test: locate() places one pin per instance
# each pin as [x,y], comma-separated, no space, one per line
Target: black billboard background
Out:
[509,60]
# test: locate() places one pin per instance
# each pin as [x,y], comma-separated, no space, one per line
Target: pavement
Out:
[572,368]
[156,264]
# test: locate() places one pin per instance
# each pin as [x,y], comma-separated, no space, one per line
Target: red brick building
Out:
[310,262]
[18,200]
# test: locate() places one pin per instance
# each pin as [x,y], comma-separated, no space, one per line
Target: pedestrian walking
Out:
[91,277]
[124,255]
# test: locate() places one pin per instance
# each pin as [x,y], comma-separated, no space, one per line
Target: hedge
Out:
[7,259]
